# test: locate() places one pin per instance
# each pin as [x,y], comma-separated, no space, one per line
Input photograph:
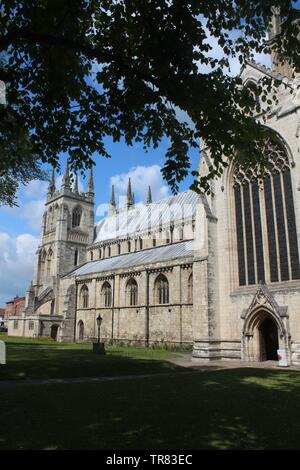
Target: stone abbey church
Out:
[219,274]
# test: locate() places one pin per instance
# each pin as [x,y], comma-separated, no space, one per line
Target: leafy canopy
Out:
[79,70]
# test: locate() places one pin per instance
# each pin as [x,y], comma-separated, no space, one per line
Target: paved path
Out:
[186,360]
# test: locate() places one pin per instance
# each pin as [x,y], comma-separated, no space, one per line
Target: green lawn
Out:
[33,359]
[228,409]
[225,409]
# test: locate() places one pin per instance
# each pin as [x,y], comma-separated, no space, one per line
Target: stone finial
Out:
[75,190]
[112,202]
[149,196]
[112,198]
[66,178]
[129,194]
[90,191]
[51,187]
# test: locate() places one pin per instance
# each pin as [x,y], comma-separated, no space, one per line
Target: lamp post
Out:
[98,347]
[99,321]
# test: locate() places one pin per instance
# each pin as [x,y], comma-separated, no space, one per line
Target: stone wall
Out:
[145,322]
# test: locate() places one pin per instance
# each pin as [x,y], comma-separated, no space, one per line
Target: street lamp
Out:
[99,321]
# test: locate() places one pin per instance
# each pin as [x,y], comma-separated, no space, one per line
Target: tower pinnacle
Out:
[112,199]
[90,191]
[76,184]
[51,187]
[66,178]
[112,203]
[129,194]
[149,196]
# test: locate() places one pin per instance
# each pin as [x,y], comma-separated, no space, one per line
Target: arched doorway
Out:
[268,340]
[80,330]
[54,330]
[264,332]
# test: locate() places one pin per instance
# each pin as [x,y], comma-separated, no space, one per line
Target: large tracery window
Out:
[266,233]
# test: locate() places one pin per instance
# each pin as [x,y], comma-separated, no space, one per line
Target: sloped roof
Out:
[143,218]
[152,255]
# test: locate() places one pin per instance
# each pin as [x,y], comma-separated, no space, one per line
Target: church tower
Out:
[68,227]
[279,65]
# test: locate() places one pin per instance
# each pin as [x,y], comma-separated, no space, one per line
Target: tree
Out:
[19,165]
[80,70]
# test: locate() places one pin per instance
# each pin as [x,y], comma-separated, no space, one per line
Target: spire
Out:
[112,203]
[51,187]
[90,191]
[76,184]
[112,199]
[129,194]
[133,199]
[149,196]
[66,178]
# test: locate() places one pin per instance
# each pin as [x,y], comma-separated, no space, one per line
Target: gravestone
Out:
[2,352]
[2,93]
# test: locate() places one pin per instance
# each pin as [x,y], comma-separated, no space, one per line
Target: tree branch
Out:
[89,50]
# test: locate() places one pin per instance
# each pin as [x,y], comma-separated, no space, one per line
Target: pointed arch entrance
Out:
[269,343]
[54,331]
[80,330]
[265,328]
[263,335]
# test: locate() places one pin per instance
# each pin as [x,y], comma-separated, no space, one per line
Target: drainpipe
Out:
[113,311]
[75,317]
[147,325]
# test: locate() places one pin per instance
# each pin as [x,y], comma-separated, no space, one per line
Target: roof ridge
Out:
[170,252]
[143,204]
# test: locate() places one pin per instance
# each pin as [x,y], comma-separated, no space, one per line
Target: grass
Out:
[45,359]
[226,409]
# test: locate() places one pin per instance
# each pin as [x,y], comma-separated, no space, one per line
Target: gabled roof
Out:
[148,256]
[265,70]
[144,218]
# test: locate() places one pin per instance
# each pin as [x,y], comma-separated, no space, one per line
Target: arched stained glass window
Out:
[84,297]
[267,245]
[161,288]
[106,294]
[132,292]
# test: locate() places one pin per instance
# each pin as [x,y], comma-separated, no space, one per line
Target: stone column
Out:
[206,321]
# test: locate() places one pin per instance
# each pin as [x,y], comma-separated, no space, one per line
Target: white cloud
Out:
[141,178]
[32,213]
[17,256]
[36,189]
[32,199]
